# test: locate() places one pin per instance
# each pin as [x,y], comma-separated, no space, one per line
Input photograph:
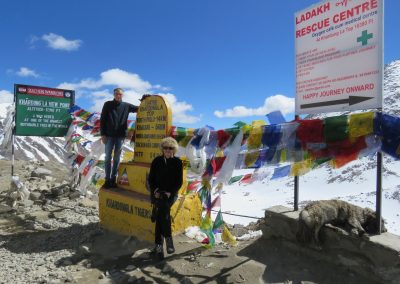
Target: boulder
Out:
[41,173]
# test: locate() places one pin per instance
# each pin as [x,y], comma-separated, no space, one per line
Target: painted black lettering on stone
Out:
[117,205]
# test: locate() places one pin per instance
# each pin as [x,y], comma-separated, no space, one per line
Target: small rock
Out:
[88,203]
[132,279]
[240,279]
[27,203]
[84,250]
[48,178]
[130,268]
[46,226]
[209,265]
[57,190]
[167,268]
[67,262]
[74,195]
[185,280]
[43,188]
[35,195]
[141,254]
[5,208]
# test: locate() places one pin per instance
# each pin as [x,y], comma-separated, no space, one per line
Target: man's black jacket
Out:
[114,116]
[165,175]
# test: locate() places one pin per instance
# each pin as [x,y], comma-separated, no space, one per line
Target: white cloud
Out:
[83,84]
[26,72]
[59,42]
[115,77]
[124,79]
[134,87]
[99,98]
[273,103]
[180,109]
[6,97]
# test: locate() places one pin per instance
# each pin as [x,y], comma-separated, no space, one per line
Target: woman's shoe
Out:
[170,245]
[158,252]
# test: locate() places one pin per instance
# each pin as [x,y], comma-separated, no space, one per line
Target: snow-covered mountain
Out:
[391,89]
[31,147]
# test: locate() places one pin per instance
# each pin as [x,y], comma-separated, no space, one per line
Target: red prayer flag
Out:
[310,131]
[223,138]
[246,178]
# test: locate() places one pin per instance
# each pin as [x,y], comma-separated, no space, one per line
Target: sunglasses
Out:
[168,148]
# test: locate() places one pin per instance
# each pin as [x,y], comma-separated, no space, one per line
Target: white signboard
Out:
[339,56]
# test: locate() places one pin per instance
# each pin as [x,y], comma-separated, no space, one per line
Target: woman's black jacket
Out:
[165,175]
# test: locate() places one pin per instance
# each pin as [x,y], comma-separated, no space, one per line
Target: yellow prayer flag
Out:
[283,156]
[219,154]
[258,123]
[251,158]
[255,135]
[227,237]
[300,168]
[128,156]
[361,124]
[246,128]
[100,183]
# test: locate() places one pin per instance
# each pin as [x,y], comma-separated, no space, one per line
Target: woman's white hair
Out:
[169,142]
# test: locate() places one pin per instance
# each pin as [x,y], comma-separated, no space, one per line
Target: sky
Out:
[216,62]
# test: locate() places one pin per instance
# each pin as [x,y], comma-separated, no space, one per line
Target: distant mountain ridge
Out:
[31,147]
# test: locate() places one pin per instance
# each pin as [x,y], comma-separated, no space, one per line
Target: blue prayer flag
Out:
[276,117]
[281,172]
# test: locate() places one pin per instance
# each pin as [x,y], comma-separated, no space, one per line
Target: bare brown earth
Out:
[58,240]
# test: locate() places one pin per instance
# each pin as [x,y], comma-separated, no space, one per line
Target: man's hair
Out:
[118,90]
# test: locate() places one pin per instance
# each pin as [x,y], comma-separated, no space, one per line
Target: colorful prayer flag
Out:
[281,172]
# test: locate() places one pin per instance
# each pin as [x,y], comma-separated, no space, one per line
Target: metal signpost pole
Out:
[296,187]
[379,191]
[379,155]
[13,133]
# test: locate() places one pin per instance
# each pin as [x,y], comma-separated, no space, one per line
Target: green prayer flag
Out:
[203,194]
[206,223]
[218,220]
[235,179]
[320,161]
[336,128]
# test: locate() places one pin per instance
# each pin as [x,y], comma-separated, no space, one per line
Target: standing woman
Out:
[165,179]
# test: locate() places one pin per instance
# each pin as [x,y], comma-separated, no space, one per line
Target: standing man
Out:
[113,130]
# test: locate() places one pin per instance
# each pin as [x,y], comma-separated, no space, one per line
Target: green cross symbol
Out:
[365,36]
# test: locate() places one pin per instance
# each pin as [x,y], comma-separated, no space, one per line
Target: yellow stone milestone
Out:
[127,209]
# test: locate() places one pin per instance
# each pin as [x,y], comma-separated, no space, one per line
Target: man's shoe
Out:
[113,184]
[170,245]
[107,184]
